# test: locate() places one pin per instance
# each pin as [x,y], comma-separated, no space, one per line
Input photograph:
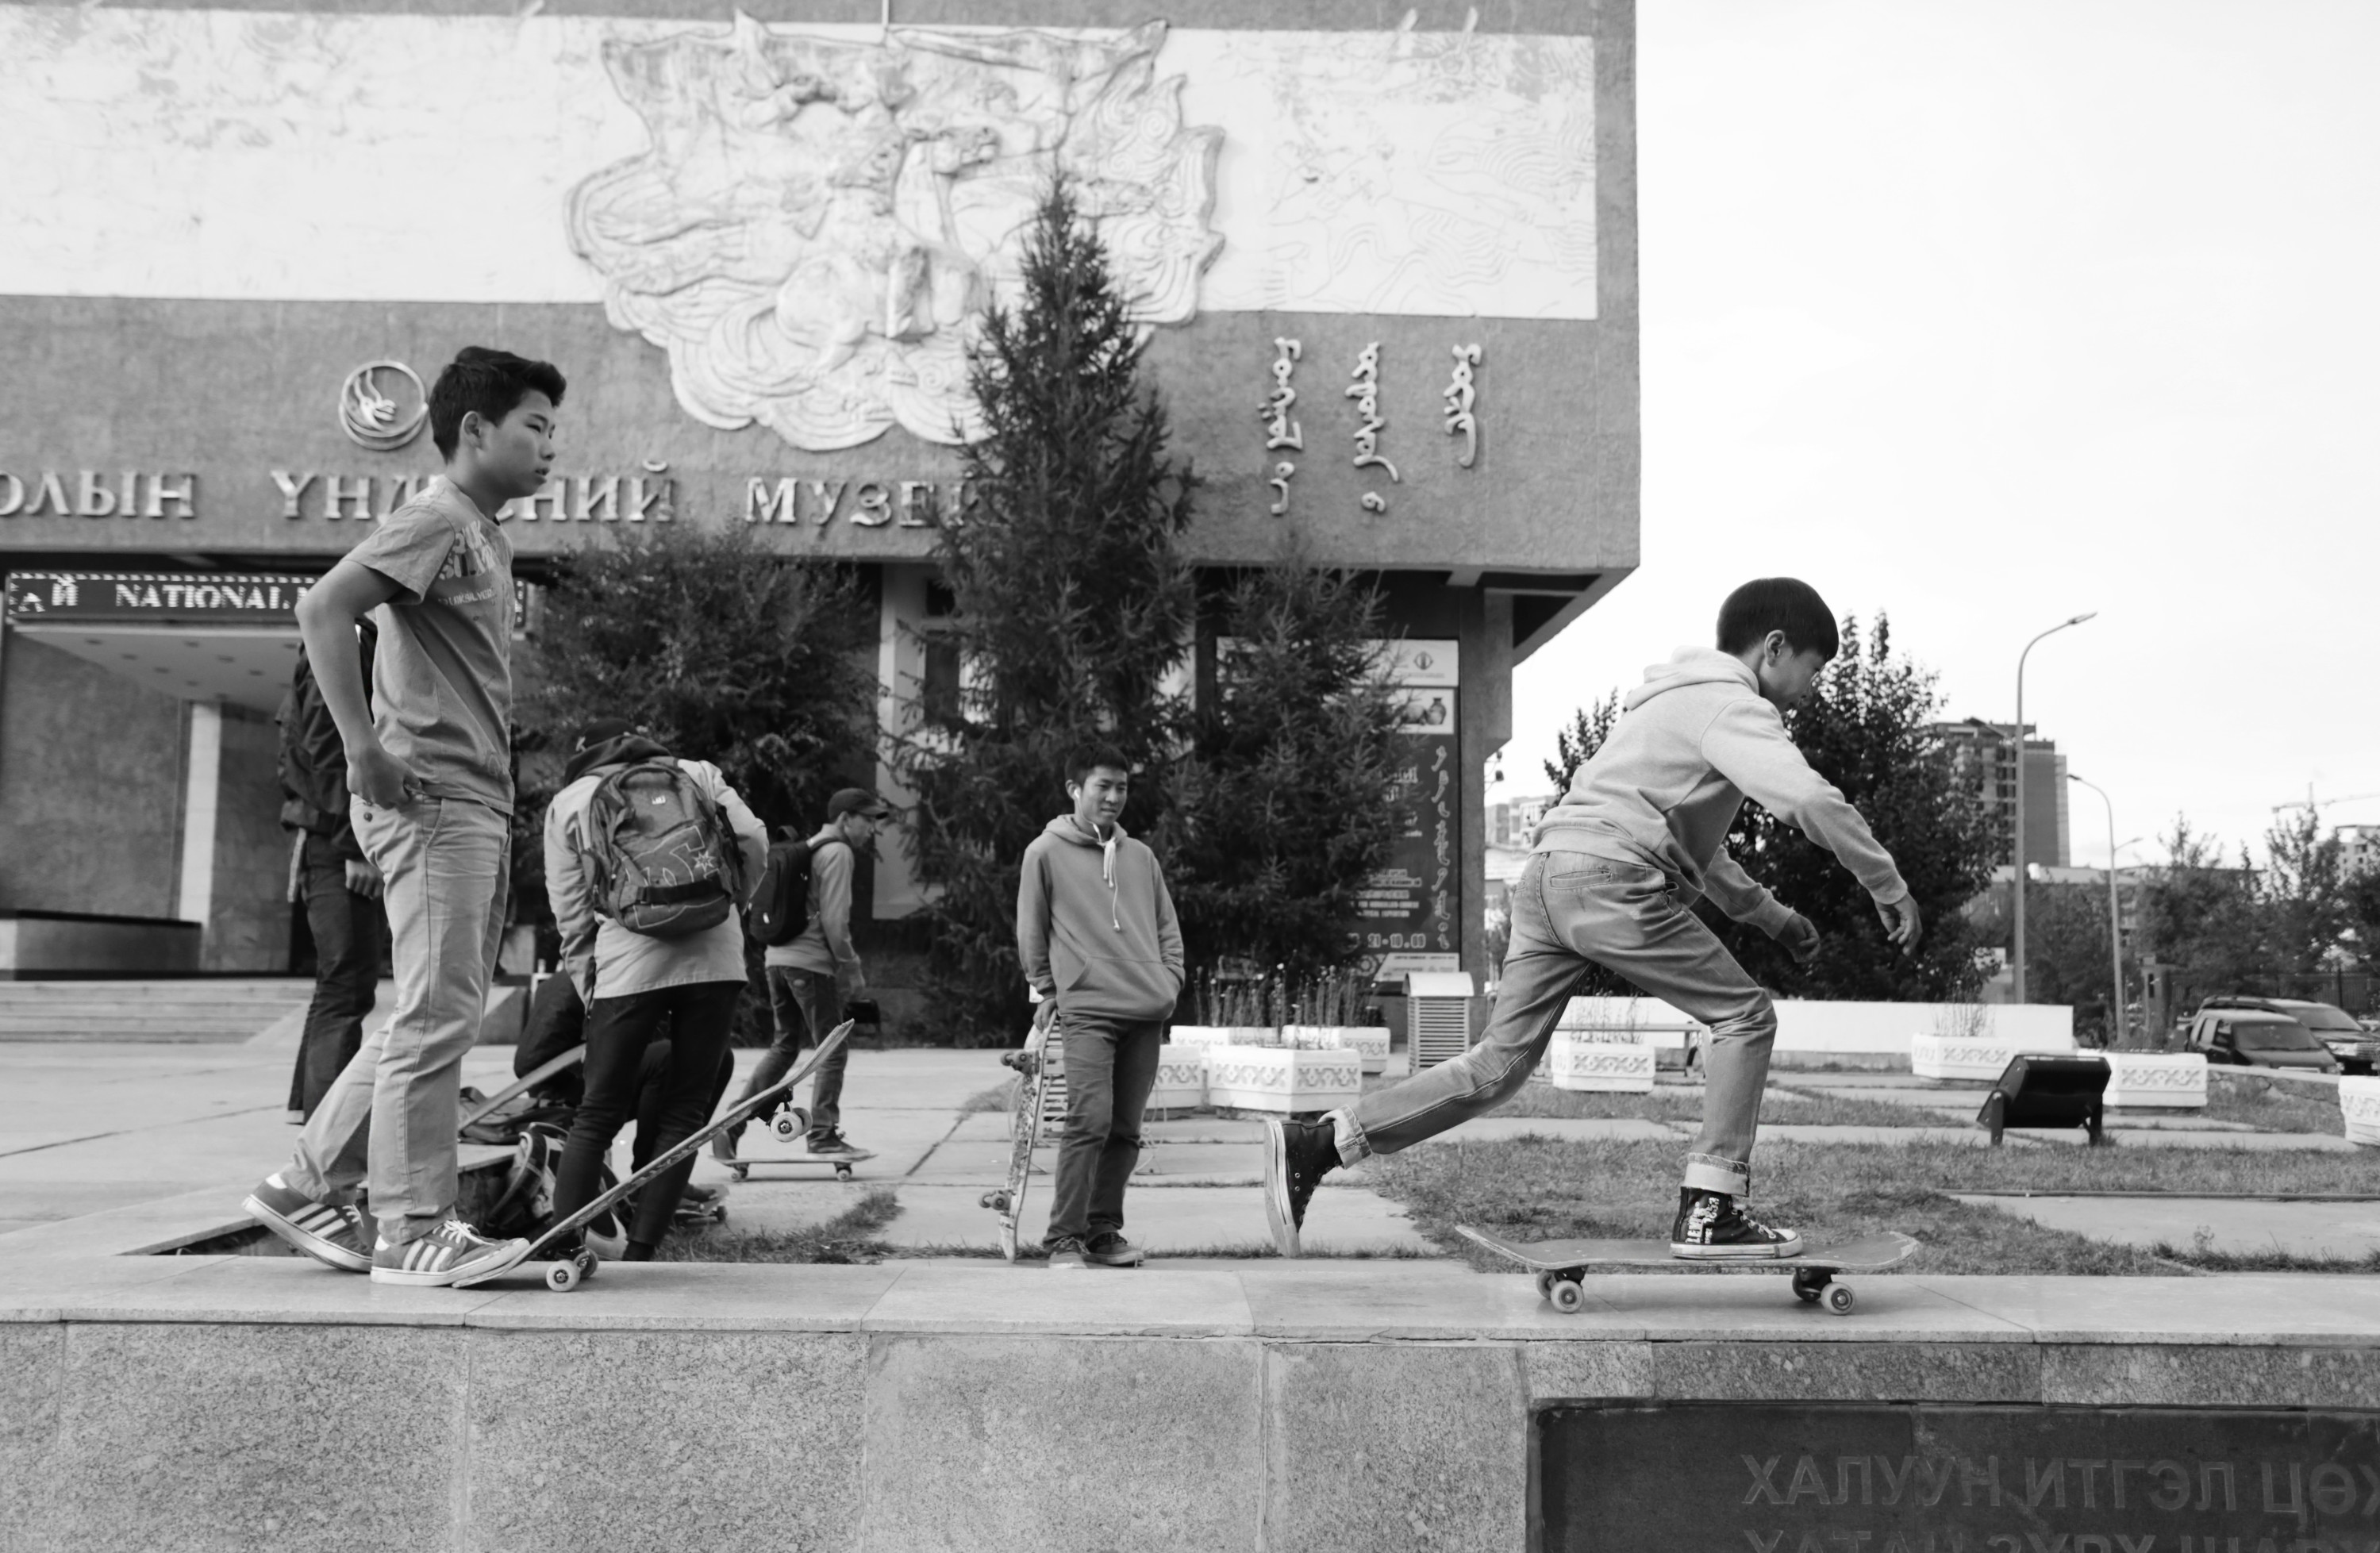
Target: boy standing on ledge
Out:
[429,777]
[1096,931]
[1617,865]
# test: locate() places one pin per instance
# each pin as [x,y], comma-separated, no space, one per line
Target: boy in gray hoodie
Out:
[1636,839]
[1096,931]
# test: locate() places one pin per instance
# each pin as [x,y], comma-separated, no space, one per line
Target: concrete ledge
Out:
[236,1403]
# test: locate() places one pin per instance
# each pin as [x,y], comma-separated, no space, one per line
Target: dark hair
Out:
[491,382]
[1090,757]
[1786,604]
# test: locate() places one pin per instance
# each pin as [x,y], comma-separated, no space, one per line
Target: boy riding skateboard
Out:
[1616,867]
[1097,934]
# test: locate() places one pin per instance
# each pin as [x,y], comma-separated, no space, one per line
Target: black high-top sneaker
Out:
[1712,1226]
[1297,1155]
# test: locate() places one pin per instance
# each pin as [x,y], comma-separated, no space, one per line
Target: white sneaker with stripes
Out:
[446,1254]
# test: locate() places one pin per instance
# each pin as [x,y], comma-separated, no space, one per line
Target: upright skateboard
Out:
[566,1275]
[1560,1264]
[1038,1071]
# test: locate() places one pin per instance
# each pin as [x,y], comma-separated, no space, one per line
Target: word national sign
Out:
[98,493]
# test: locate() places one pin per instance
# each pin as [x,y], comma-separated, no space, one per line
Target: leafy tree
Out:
[2360,894]
[2201,915]
[1280,807]
[1576,745]
[1072,605]
[2067,958]
[2306,912]
[1866,730]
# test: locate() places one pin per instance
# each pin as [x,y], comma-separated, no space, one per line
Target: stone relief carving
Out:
[820,225]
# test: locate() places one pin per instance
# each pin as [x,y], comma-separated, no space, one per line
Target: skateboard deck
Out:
[1035,1072]
[742,1166]
[566,1275]
[524,1084]
[1560,1264]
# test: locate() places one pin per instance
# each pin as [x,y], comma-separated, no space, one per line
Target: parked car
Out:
[2355,1047]
[2254,1037]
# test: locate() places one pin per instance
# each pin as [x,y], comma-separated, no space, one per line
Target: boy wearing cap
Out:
[813,976]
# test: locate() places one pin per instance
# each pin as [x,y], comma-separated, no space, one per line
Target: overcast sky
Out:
[1985,315]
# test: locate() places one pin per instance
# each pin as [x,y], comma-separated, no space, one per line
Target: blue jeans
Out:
[393,1110]
[1570,908]
[805,1007]
[1111,1067]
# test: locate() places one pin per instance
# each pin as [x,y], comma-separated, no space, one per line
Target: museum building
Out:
[1388,275]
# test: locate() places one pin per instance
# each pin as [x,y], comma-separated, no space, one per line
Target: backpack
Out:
[660,855]
[781,908]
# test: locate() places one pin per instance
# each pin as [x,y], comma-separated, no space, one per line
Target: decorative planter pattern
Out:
[1200,1034]
[1586,1060]
[1944,1057]
[2359,1105]
[1281,1078]
[1370,1041]
[2169,1081]
[1181,1078]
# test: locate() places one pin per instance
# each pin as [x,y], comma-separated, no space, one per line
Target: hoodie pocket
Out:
[1133,987]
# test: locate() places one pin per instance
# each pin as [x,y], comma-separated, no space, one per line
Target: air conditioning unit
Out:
[1438,1013]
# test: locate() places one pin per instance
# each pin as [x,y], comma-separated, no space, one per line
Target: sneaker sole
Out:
[1095,1261]
[1276,1189]
[329,1254]
[1736,1252]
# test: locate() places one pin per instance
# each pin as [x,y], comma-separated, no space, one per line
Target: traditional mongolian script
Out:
[1462,393]
[1280,431]
[1365,391]
[98,493]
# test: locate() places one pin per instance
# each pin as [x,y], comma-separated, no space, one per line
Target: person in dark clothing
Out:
[339,885]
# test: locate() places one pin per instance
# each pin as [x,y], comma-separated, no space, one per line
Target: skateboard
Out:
[567,1275]
[524,1084]
[792,1124]
[1038,1071]
[1560,1264]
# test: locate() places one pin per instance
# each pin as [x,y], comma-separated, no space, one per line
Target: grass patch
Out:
[1538,1189]
[1000,1096]
[845,1238]
[1683,1104]
[2271,1105]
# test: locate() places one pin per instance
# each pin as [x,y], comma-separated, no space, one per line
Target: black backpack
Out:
[781,908]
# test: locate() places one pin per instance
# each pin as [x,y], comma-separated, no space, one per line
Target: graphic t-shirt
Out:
[442,679]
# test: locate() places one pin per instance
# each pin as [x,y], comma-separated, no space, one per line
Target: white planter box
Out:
[1198,1034]
[1281,1078]
[1181,1078]
[1942,1057]
[2167,1080]
[1576,1061]
[1369,1041]
[2359,1106]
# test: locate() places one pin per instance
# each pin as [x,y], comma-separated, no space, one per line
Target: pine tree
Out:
[1576,745]
[1281,808]
[1071,609]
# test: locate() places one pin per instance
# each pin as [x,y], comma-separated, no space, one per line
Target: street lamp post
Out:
[2115,915]
[2016,955]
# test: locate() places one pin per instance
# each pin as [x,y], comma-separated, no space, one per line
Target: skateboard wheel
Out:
[739,1171]
[1546,1285]
[843,1172]
[562,1276]
[787,1128]
[996,1201]
[1840,1299]
[1567,1297]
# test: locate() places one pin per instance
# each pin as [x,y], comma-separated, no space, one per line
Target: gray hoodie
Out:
[1095,924]
[1697,740]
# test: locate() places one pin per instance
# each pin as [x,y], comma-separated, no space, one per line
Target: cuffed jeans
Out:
[1570,908]
[391,1115]
[805,1006]
[350,936]
[1111,1068]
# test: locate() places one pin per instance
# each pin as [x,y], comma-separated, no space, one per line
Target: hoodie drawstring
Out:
[1107,872]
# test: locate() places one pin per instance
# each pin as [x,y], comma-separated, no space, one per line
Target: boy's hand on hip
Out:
[1902,923]
[379,778]
[1800,939]
[363,880]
